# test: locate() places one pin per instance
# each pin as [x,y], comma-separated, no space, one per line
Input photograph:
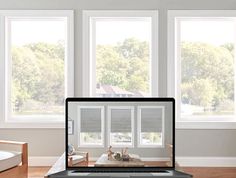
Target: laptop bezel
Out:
[118,169]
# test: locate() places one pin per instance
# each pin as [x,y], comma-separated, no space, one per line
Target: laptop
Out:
[120,137]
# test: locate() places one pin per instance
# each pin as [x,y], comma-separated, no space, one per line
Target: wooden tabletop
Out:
[104,162]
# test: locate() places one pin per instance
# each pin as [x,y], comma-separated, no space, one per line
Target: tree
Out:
[200,92]
[207,74]
[25,76]
[111,69]
[229,47]
[124,65]
[133,48]
[38,74]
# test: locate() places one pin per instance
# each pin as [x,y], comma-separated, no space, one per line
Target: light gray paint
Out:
[41,142]
[206,143]
[143,152]
[45,142]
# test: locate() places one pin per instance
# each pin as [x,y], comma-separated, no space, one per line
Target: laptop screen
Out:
[119,133]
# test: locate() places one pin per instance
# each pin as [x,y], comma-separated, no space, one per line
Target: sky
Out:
[213,32]
[107,32]
[28,31]
[111,32]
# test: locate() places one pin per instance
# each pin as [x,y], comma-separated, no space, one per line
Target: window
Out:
[91,126]
[150,126]
[120,53]
[202,54]
[39,64]
[121,126]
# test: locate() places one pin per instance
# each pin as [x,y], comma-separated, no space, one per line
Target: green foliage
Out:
[230,47]
[133,48]
[24,83]
[200,92]
[110,69]
[125,65]
[46,50]
[37,74]
[207,74]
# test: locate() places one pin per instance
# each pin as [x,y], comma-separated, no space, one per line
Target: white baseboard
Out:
[183,161]
[206,161]
[42,160]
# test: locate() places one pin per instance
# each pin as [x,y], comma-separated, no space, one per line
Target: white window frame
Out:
[139,110]
[89,62]
[102,127]
[174,78]
[109,108]
[40,121]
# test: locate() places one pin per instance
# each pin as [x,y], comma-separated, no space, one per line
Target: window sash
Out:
[37,121]
[152,129]
[81,130]
[89,69]
[174,80]
[178,88]
[109,125]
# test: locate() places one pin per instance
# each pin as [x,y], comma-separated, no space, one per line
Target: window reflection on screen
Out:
[120,134]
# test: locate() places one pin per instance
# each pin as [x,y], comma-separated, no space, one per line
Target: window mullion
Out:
[235,68]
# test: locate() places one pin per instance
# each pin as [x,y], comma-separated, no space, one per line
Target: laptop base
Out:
[161,174]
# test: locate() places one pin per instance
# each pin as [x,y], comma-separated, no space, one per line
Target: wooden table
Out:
[57,167]
[104,162]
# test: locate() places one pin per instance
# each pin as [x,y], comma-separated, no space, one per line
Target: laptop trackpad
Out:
[122,175]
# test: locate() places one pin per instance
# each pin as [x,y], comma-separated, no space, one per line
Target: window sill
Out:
[34,121]
[31,125]
[206,124]
[91,146]
[151,146]
[122,146]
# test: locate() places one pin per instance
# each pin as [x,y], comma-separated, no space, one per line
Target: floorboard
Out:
[211,172]
[37,172]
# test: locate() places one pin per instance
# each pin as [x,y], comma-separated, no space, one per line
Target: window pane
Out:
[90,126]
[90,120]
[121,138]
[151,138]
[123,56]
[37,65]
[207,66]
[151,126]
[121,126]
[90,138]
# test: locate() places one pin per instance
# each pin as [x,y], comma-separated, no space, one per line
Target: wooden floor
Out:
[211,172]
[39,172]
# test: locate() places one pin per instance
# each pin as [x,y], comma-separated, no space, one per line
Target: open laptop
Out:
[120,137]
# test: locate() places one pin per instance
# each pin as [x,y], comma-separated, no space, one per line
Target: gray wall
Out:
[45,142]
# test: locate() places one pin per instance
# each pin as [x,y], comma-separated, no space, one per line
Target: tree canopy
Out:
[207,74]
[37,75]
[125,65]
